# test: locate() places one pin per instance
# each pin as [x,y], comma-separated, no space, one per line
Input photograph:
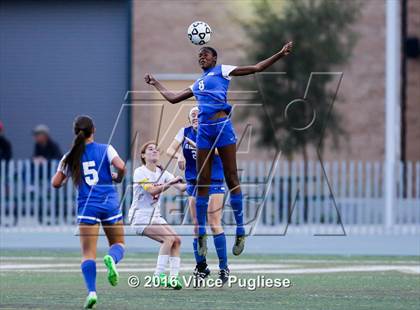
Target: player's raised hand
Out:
[150,79]
[181,162]
[287,48]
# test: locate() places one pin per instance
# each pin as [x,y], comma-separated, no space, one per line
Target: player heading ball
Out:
[215,130]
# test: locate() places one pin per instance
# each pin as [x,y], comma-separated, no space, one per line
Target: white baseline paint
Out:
[236,268]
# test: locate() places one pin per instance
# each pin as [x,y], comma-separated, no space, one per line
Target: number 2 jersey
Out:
[96,187]
[190,154]
[210,90]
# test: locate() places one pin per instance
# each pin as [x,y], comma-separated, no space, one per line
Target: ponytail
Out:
[83,129]
[73,159]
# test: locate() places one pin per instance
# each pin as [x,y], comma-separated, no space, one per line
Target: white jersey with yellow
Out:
[145,208]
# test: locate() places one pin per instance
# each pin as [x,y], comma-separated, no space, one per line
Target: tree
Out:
[323,40]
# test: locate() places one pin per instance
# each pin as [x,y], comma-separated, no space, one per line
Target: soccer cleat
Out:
[113,275]
[202,245]
[175,282]
[161,280]
[239,245]
[91,301]
[224,275]
[201,271]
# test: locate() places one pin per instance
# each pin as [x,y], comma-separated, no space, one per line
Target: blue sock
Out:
[116,251]
[198,258]
[220,245]
[201,206]
[236,203]
[89,274]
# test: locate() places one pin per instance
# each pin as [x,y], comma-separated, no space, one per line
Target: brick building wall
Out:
[160,46]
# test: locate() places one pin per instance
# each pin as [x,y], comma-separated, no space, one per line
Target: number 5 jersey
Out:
[96,185]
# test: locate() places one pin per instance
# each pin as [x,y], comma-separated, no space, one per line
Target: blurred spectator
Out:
[5,146]
[45,147]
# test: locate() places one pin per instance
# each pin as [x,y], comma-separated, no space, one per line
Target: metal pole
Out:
[392,103]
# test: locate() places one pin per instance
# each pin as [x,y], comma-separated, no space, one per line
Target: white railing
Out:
[276,196]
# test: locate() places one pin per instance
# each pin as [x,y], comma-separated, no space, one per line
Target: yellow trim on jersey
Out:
[145,184]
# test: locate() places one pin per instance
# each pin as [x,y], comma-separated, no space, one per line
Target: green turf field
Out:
[52,280]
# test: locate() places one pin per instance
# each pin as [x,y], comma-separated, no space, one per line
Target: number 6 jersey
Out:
[96,180]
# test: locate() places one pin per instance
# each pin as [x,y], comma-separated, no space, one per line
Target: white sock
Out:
[92,294]
[174,265]
[162,262]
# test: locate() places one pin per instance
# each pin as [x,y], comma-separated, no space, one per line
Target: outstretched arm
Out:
[168,95]
[158,189]
[262,65]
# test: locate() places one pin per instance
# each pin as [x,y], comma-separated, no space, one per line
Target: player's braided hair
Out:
[83,128]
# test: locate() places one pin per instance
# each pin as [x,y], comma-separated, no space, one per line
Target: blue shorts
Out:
[216,133]
[215,188]
[107,213]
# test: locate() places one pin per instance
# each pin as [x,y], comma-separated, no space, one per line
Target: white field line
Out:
[245,268]
[3,258]
[265,261]
[31,265]
[129,267]
[403,268]
[70,258]
[148,259]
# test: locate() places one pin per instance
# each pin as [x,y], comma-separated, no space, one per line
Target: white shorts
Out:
[140,219]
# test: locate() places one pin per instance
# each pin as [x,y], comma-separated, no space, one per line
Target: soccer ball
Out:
[199,33]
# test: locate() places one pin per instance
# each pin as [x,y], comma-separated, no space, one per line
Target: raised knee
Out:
[169,240]
[177,241]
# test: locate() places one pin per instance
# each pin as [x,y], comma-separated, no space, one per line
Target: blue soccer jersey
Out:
[97,196]
[210,90]
[190,154]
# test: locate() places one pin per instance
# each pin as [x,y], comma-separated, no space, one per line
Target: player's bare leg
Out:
[174,260]
[170,243]
[115,235]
